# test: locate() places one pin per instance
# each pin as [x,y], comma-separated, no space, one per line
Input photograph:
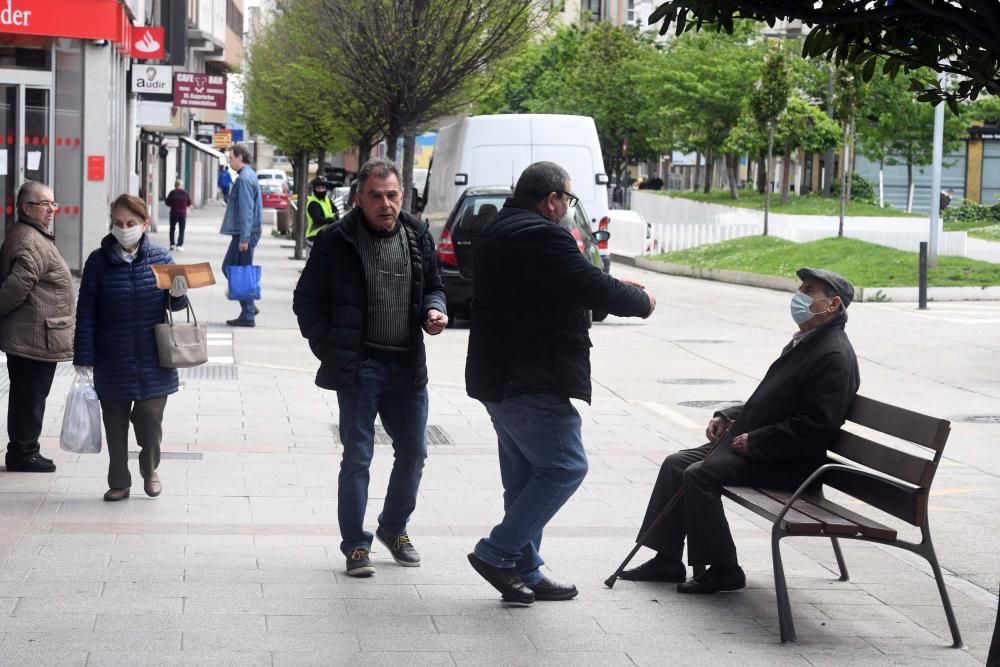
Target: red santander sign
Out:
[146,43]
[82,19]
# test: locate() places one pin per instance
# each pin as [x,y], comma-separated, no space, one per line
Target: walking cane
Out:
[610,581]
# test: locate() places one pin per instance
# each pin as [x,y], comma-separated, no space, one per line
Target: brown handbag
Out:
[181,344]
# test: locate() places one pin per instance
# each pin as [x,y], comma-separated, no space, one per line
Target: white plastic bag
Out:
[81,427]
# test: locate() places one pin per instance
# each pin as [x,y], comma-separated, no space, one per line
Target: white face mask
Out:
[127,237]
[801,306]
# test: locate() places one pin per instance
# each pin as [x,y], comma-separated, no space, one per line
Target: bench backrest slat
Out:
[930,433]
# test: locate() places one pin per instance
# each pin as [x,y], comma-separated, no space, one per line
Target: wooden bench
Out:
[882,474]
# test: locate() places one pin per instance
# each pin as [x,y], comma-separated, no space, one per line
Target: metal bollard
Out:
[922,289]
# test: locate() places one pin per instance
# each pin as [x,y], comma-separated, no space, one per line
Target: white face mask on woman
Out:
[128,237]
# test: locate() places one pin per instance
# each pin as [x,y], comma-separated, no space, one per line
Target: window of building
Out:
[592,7]
[630,13]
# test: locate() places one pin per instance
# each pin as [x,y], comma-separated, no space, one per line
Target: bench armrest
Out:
[823,469]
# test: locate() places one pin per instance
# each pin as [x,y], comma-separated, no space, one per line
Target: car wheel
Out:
[597,316]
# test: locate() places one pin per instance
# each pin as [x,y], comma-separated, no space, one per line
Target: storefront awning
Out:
[204,148]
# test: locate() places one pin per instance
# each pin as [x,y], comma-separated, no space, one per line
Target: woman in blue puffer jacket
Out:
[118,307]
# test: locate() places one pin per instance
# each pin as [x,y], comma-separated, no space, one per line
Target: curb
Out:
[872,294]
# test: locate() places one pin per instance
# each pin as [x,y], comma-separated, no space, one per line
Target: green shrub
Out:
[862,190]
[971,214]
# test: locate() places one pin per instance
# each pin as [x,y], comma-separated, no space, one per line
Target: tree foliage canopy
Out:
[957,36]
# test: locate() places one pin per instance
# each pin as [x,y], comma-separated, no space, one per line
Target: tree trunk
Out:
[843,184]
[709,170]
[300,213]
[909,186]
[364,150]
[803,186]
[767,172]
[850,159]
[732,166]
[391,141]
[762,172]
[786,172]
[409,145]
[321,164]
[697,171]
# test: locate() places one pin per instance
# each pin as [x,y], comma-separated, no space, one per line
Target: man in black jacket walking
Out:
[368,292]
[529,353]
[776,439]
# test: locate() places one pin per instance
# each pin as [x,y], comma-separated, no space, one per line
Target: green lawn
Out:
[990,233]
[864,264]
[807,205]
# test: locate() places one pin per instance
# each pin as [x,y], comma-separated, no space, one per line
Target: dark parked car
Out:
[476,208]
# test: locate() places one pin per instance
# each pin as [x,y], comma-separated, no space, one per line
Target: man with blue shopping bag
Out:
[242,221]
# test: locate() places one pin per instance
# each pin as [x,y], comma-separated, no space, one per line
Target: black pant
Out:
[30,382]
[699,515]
[177,219]
[147,420]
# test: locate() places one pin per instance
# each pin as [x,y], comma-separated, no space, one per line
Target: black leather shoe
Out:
[504,579]
[658,568]
[240,322]
[714,580]
[33,463]
[546,589]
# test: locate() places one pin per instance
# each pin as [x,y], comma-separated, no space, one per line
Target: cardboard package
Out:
[197,275]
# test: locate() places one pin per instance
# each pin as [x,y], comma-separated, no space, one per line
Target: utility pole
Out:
[935,231]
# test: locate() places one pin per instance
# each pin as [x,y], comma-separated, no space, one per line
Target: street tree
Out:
[896,129]
[410,61]
[700,93]
[767,102]
[956,36]
[281,87]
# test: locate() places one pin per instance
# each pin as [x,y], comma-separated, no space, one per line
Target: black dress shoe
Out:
[715,579]
[33,463]
[546,589]
[658,568]
[504,579]
[240,322]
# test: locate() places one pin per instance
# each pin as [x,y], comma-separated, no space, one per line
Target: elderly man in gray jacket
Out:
[36,322]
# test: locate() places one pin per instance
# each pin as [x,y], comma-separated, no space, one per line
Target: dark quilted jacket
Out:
[118,306]
[331,299]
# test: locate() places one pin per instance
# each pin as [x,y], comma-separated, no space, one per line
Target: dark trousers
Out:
[30,382]
[699,515]
[177,220]
[147,421]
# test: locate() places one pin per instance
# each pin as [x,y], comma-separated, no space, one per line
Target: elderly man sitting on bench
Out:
[775,439]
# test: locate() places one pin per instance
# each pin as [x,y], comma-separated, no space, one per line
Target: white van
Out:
[494,150]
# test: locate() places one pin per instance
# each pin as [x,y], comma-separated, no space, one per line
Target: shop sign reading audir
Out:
[152,82]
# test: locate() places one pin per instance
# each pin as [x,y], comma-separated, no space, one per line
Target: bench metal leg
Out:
[844,576]
[927,551]
[785,622]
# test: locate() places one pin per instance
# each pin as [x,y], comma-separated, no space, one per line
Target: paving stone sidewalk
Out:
[237,563]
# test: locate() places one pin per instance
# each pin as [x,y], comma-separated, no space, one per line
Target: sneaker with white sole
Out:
[359,563]
[400,547]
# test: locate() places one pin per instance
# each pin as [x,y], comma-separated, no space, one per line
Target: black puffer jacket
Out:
[331,299]
[531,290]
[795,412]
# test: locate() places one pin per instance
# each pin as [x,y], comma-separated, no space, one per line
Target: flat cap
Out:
[841,285]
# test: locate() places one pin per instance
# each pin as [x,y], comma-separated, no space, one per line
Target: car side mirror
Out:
[602,235]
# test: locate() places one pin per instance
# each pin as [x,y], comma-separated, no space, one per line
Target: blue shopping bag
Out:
[244,282]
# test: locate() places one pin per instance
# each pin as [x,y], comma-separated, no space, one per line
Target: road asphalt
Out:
[237,563]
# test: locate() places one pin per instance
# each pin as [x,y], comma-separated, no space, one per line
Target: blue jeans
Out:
[542,463]
[385,388]
[237,258]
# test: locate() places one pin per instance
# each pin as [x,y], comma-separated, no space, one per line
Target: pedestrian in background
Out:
[36,322]
[118,307]
[320,210]
[178,201]
[368,292]
[243,219]
[529,353]
[225,182]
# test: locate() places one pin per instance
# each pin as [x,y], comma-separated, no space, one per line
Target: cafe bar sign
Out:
[205,91]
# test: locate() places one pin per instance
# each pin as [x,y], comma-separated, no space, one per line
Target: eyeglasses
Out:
[571,199]
[45,204]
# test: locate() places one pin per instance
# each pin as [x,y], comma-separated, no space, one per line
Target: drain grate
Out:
[979,419]
[211,372]
[710,405]
[179,456]
[436,436]
[694,381]
[707,341]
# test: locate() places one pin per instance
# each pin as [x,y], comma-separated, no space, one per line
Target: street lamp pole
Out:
[938,156]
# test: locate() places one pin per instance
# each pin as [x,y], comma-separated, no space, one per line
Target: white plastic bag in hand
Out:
[81,427]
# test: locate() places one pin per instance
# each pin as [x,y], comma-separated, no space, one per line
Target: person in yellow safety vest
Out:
[320,211]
